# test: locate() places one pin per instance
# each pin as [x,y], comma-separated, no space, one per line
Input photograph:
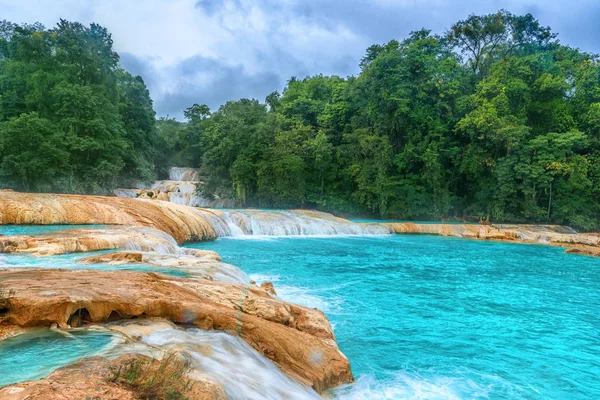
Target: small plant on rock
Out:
[152,379]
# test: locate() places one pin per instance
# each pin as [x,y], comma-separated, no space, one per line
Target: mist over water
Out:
[427,317]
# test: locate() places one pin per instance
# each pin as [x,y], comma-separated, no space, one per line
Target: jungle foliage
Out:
[71,120]
[493,119]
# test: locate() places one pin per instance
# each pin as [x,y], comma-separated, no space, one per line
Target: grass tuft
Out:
[157,380]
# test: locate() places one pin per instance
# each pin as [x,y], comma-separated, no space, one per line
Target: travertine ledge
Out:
[297,339]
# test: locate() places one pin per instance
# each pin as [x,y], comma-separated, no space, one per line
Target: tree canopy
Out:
[70,119]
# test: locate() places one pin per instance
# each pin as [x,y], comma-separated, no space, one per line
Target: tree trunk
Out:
[550,201]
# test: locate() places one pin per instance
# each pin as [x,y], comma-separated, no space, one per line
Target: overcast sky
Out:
[211,51]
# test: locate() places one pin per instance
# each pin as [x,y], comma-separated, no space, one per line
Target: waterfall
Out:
[183,174]
[180,188]
[240,223]
[228,360]
[216,221]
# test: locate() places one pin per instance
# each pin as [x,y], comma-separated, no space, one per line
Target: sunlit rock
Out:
[92,377]
[287,334]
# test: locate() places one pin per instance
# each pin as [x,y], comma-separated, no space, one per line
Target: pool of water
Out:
[71,261]
[36,354]
[434,317]
[40,229]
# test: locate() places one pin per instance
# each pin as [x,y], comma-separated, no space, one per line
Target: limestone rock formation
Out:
[197,264]
[181,222]
[82,240]
[297,339]
[90,378]
[268,286]
[544,234]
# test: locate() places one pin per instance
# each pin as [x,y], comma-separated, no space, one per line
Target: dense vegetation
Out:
[70,119]
[494,119]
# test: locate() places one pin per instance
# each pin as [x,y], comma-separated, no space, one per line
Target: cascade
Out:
[183,174]
[240,223]
[227,359]
[180,188]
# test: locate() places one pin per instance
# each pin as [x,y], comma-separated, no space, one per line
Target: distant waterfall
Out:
[241,223]
[183,174]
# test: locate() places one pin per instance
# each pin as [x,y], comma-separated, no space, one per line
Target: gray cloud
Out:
[223,83]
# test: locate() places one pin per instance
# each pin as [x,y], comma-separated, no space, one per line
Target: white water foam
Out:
[165,245]
[243,372]
[404,385]
[259,223]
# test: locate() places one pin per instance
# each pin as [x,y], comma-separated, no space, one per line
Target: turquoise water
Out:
[36,354]
[71,261]
[433,317]
[39,229]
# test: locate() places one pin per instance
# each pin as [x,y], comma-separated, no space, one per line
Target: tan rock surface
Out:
[197,264]
[584,250]
[181,222]
[268,286]
[151,257]
[297,339]
[88,378]
[83,240]
[553,235]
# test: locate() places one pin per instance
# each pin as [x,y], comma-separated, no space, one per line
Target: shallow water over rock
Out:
[35,354]
[34,230]
[72,261]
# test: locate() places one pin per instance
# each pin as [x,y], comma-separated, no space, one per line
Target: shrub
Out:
[157,380]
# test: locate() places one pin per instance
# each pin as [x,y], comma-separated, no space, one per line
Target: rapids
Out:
[183,174]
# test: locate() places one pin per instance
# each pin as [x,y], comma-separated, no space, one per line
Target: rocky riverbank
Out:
[553,235]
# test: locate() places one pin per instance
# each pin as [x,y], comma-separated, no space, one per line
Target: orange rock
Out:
[90,378]
[297,339]
[118,257]
[553,235]
[268,286]
[584,250]
[82,240]
[182,222]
